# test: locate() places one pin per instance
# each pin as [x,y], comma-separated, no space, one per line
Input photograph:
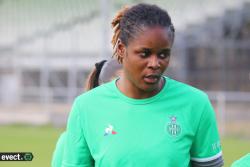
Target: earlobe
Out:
[120,48]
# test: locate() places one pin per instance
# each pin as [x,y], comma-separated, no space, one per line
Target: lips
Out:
[152,78]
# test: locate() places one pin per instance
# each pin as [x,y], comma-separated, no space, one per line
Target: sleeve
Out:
[206,147]
[76,151]
[59,150]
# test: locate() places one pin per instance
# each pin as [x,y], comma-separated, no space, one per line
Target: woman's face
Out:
[146,58]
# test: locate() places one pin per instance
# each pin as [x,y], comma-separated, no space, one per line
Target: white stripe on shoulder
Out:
[208,158]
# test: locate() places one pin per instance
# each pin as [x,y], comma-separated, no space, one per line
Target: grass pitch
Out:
[38,140]
[41,142]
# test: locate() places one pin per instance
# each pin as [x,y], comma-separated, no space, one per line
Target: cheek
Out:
[133,68]
[165,64]
[134,63]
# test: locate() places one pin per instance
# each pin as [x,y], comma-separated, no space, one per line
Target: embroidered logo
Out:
[110,131]
[172,127]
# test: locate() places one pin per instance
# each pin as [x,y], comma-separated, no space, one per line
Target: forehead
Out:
[152,37]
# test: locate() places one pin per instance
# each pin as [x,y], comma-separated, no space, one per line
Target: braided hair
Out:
[131,20]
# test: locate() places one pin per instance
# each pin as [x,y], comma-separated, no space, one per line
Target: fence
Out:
[233,112]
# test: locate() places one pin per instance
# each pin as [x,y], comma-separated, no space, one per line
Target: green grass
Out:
[41,142]
[234,148]
[38,140]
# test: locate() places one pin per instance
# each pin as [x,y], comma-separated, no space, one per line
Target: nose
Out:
[154,62]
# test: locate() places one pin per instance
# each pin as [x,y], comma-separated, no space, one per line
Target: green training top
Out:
[59,150]
[242,162]
[174,128]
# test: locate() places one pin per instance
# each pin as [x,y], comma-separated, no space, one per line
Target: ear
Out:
[121,49]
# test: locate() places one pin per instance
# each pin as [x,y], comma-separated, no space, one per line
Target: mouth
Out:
[152,78]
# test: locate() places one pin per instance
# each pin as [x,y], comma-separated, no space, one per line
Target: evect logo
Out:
[16,156]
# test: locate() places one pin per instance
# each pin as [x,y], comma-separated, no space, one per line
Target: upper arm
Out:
[76,152]
[59,150]
[206,148]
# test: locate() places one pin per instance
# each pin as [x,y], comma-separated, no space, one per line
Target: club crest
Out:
[172,127]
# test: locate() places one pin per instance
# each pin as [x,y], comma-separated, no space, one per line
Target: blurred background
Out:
[47,49]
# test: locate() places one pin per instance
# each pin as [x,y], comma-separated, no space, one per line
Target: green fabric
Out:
[242,162]
[108,129]
[58,153]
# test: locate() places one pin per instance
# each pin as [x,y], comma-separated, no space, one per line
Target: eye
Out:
[145,53]
[164,54]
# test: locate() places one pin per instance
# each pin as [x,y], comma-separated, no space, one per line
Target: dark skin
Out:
[144,61]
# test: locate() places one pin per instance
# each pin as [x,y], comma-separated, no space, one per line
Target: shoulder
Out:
[186,91]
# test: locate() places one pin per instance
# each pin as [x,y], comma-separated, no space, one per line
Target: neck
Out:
[132,91]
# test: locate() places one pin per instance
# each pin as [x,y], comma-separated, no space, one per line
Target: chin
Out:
[150,87]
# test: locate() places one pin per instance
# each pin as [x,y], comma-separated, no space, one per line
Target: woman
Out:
[142,118]
[103,72]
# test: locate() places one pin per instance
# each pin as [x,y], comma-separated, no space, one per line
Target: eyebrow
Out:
[166,50]
[143,49]
[150,50]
